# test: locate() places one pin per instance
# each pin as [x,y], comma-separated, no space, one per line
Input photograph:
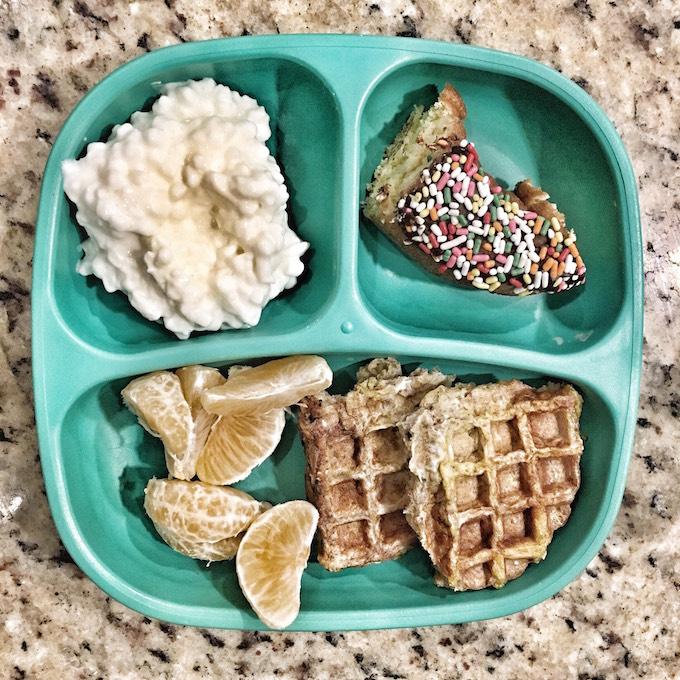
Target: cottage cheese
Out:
[185,210]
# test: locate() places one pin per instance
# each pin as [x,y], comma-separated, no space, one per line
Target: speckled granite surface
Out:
[620,619]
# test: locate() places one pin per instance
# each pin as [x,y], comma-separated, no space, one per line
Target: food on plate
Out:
[194,381]
[185,210]
[483,475]
[222,449]
[200,520]
[251,403]
[357,464]
[431,196]
[237,444]
[275,384]
[162,409]
[271,558]
[206,520]
[480,475]
[496,469]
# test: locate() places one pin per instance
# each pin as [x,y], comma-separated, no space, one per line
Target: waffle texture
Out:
[496,468]
[357,463]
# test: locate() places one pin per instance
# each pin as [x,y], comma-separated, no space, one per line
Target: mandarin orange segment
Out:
[271,559]
[194,381]
[158,402]
[237,444]
[275,384]
[197,519]
[209,552]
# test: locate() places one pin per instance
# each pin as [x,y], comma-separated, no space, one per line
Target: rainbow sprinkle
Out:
[477,232]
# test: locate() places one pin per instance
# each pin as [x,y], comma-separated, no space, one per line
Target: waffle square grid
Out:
[357,465]
[505,481]
[366,501]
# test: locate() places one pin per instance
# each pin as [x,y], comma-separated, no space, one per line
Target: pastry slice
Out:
[357,464]
[432,197]
[496,469]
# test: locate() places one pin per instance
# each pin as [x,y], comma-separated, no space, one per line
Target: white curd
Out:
[185,210]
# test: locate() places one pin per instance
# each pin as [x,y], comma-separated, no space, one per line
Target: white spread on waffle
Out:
[357,464]
[496,469]
[185,210]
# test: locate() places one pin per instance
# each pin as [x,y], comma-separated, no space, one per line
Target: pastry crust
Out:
[425,135]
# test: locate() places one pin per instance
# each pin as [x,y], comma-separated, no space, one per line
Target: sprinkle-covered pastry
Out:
[431,196]
[480,233]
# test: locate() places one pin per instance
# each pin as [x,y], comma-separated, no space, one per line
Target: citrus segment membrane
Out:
[196,519]
[271,559]
[159,404]
[208,552]
[275,384]
[194,381]
[237,444]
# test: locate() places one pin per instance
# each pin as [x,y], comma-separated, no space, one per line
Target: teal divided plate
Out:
[335,102]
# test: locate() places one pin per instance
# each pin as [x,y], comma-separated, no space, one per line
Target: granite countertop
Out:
[620,619]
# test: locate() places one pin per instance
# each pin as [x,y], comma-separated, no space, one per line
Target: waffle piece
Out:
[357,464]
[496,468]
[431,196]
